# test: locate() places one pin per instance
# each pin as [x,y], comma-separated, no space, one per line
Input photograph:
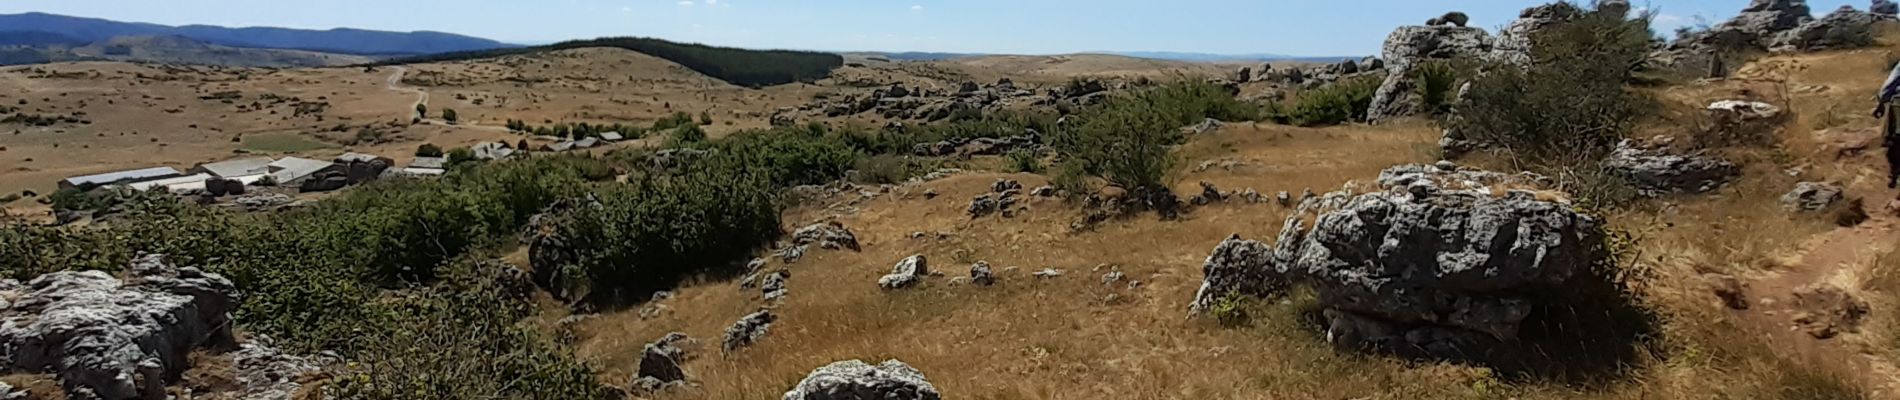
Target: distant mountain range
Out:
[40,29]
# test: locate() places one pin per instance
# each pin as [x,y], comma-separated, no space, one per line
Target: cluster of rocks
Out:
[1778,25]
[748,330]
[264,372]
[1213,195]
[829,236]
[857,380]
[1411,47]
[1436,264]
[263,202]
[660,361]
[1029,140]
[1001,199]
[111,338]
[899,102]
[1656,169]
[1733,122]
[1311,76]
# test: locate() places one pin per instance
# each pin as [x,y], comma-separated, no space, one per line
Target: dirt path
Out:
[422,98]
[1830,258]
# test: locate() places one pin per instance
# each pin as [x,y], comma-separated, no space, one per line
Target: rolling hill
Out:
[345,41]
[174,50]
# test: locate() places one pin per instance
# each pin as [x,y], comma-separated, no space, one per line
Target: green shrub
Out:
[885,169]
[448,114]
[686,135]
[1438,84]
[1128,140]
[1025,161]
[1570,106]
[1335,103]
[428,150]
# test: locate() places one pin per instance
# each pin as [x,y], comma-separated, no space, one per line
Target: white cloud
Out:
[686,3]
[916,8]
[712,2]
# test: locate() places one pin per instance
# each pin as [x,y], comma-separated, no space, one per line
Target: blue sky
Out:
[1295,27]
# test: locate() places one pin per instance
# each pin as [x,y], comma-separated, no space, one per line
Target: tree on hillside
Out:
[448,114]
[422,110]
[428,150]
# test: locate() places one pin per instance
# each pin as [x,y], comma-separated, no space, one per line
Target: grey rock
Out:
[1237,268]
[661,360]
[1885,8]
[1043,191]
[116,339]
[981,275]
[1005,185]
[983,205]
[1657,171]
[1515,40]
[1047,273]
[1811,197]
[856,380]
[1453,18]
[829,236]
[773,285]
[1112,277]
[908,272]
[1843,28]
[748,330]
[1408,47]
[265,373]
[1432,265]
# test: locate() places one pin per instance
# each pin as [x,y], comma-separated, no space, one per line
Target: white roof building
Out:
[290,170]
[109,178]
[254,168]
[612,137]
[175,185]
[429,162]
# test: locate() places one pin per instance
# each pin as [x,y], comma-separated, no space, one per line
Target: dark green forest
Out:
[738,66]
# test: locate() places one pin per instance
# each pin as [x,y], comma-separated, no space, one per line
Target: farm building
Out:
[88,182]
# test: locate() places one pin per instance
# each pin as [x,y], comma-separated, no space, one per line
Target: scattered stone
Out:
[829,236]
[906,273]
[1005,185]
[748,330]
[116,339]
[1202,128]
[1811,197]
[856,380]
[980,274]
[1111,278]
[1656,171]
[983,205]
[1043,191]
[1048,273]
[660,361]
[774,285]
[930,194]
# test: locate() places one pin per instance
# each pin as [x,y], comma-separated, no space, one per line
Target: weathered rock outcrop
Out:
[110,338]
[1656,170]
[1436,264]
[660,363]
[748,330]
[906,273]
[1884,8]
[1514,42]
[265,373]
[828,236]
[1410,46]
[1811,197]
[1843,28]
[856,380]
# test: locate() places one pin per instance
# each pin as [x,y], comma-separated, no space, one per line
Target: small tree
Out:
[705,118]
[448,114]
[687,135]
[428,150]
[461,155]
[422,110]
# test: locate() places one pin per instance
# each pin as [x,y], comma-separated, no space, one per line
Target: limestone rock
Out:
[856,380]
[748,330]
[117,339]
[906,273]
[981,275]
[1408,47]
[1843,28]
[1657,171]
[1811,197]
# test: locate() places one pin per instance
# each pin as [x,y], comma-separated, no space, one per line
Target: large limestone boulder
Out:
[1514,42]
[660,363]
[1843,28]
[908,272]
[113,338]
[856,380]
[1811,197]
[1437,263]
[1408,47]
[748,330]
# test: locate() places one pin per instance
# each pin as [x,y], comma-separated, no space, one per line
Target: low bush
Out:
[1332,104]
